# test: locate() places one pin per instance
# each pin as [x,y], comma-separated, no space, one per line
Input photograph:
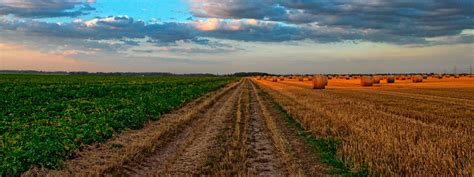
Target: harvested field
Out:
[402,128]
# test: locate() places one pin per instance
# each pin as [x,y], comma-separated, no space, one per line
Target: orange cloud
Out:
[208,25]
[252,22]
[213,24]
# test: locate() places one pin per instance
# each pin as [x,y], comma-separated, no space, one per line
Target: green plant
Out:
[46,118]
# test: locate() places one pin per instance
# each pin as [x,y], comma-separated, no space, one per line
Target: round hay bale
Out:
[366,81]
[425,77]
[417,79]
[274,79]
[259,78]
[403,78]
[300,79]
[377,79]
[310,78]
[390,79]
[319,82]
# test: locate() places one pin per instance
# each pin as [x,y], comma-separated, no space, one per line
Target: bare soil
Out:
[264,158]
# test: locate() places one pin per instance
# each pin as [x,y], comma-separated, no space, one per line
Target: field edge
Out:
[134,151]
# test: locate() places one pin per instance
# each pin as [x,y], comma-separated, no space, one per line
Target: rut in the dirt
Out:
[188,151]
[241,134]
[264,157]
[261,143]
[235,131]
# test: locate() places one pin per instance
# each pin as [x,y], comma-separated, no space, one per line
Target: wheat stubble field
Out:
[402,128]
[262,127]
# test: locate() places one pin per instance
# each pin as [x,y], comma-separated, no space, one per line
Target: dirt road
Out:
[234,131]
[237,135]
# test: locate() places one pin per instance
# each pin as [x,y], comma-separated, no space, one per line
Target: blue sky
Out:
[163,10]
[225,36]
[166,10]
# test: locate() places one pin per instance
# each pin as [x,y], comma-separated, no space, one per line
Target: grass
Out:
[325,148]
[229,158]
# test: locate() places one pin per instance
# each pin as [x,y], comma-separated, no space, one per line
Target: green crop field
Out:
[44,118]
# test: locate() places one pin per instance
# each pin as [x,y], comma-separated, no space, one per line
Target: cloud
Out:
[396,22]
[115,34]
[45,8]
[398,17]
[120,33]
[123,29]
[108,28]
[214,24]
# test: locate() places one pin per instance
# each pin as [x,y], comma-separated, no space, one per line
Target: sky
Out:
[227,36]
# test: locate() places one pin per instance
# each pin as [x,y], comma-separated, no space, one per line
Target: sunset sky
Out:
[226,36]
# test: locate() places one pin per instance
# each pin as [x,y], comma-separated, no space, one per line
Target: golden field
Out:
[403,128]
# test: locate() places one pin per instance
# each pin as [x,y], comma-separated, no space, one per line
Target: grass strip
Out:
[325,148]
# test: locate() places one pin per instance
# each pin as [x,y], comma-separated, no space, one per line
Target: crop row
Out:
[45,119]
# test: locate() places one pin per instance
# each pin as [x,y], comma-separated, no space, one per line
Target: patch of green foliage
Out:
[44,118]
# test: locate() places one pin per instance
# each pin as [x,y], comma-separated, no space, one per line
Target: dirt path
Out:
[299,158]
[235,131]
[261,143]
[192,149]
[187,152]
[264,158]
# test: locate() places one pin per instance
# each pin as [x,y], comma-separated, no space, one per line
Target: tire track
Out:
[264,159]
[230,158]
[188,151]
[234,132]
[251,150]
[304,162]
[261,143]
[133,145]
